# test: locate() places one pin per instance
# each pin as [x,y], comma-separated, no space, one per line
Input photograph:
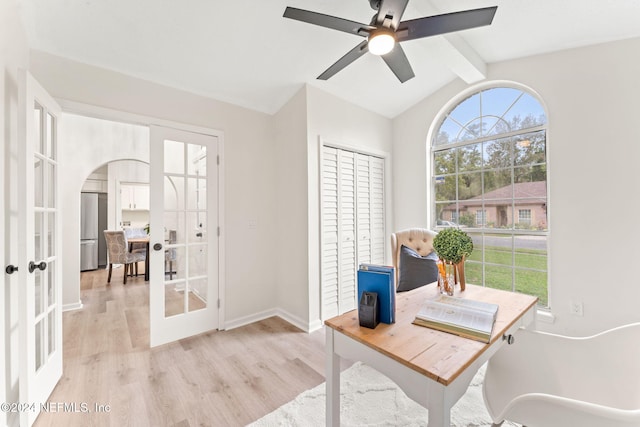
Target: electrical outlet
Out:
[575,308]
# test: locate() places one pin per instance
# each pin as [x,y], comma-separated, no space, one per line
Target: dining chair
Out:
[170,255]
[131,232]
[118,251]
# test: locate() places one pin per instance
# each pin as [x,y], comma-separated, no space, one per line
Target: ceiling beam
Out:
[463,59]
[453,51]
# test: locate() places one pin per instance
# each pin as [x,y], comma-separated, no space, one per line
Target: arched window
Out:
[489,177]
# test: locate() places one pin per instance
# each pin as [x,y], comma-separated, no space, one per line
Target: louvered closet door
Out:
[370,209]
[329,224]
[377,216]
[352,224]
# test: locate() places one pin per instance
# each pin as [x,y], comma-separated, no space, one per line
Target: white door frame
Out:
[79,108]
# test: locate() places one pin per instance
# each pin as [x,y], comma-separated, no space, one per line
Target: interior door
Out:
[40,314]
[184,234]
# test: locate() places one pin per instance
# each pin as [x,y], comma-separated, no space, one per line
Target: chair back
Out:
[171,253]
[117,247]
[586,381]
[418,239]
[130,232]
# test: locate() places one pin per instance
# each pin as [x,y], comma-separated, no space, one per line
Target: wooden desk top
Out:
[438,355]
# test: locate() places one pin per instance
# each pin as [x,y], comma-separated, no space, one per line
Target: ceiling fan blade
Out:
[399,64]
[441,24]
[393,8]
[328,21]
[347,59]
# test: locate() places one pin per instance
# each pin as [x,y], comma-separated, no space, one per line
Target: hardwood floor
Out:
[221,378]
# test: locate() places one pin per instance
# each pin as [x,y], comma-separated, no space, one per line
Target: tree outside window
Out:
[489,176]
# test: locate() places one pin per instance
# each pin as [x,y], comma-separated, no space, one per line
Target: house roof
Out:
[523,192]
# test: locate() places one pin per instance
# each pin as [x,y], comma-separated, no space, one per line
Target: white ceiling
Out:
[244,52]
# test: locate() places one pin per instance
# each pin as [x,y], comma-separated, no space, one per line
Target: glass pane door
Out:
[184,218]
[40,312]
[185,227]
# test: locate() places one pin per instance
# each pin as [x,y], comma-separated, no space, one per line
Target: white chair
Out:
[551,380]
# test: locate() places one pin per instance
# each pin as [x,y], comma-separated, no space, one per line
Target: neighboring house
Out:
[494,209]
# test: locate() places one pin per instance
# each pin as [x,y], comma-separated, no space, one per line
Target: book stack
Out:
[460,316]
[379,279]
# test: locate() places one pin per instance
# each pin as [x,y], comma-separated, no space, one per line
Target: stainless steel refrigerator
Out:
[92,223]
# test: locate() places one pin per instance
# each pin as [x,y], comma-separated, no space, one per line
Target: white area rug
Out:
[369,398]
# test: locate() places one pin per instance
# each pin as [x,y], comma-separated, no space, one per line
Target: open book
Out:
[464,317]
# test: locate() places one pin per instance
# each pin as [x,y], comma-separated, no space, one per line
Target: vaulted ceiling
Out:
[244,52]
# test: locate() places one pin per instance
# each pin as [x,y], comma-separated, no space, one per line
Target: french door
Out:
[184,234]
[40,314]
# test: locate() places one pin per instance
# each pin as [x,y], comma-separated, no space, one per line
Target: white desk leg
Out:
[439,406]
[332,381]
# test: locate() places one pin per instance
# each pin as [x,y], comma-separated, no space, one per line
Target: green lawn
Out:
[498,270]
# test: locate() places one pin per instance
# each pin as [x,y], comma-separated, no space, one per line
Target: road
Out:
[527,242]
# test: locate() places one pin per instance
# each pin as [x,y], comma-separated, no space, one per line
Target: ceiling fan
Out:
[385,32]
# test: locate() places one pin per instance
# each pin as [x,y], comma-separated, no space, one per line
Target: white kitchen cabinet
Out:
[134,197]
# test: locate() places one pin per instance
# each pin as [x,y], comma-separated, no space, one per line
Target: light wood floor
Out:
[221,378]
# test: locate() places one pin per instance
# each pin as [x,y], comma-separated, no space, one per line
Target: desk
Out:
[433,368]
[145,240]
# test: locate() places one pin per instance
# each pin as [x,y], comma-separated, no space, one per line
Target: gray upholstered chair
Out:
[118,250]
[136,247]
[130,232]
[170,255]
[418,239]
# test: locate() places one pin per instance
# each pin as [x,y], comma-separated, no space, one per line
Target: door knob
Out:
[157,246]
[33,266]
[11,269]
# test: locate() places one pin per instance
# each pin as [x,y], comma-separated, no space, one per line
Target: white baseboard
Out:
[294,320]
[283,314]
[245,320]
[315,325]
[73,306]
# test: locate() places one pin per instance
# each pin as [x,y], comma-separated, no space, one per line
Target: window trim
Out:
[432,148]
[529,216]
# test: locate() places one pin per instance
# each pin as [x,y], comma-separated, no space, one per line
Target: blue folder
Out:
[381,280]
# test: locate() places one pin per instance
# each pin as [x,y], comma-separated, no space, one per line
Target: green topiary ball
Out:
[452,244]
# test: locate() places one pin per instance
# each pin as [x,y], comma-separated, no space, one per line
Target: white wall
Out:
[14,55]
[86,144]
[592,97]
[290,125]
[308,119]
[249,158]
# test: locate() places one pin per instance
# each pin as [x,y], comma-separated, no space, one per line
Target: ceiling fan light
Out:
[381,42]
